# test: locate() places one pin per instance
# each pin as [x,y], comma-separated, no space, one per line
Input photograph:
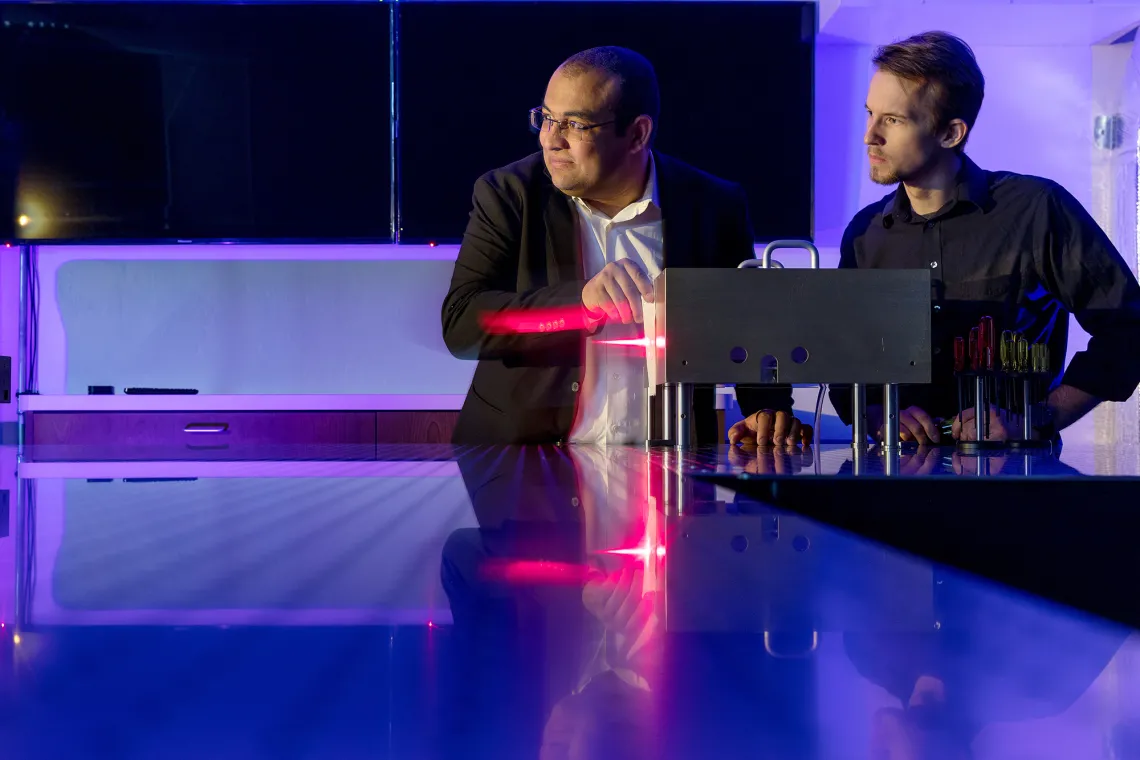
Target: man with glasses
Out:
[560,253]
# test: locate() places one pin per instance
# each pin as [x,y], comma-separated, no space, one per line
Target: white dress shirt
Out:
[611,408]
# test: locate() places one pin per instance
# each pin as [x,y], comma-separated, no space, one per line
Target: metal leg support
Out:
[859,416]
[890,417]
[683,415]
[981,409]
[1027,409]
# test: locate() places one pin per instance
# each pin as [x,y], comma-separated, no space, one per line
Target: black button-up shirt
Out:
[1019,249]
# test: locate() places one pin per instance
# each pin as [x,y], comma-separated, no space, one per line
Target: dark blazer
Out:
[521,251]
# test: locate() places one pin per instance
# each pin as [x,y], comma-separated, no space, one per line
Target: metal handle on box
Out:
[790,655]
[207,427]
[806,245]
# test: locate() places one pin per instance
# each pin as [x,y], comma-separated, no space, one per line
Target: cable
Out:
[34,328]
[819,425]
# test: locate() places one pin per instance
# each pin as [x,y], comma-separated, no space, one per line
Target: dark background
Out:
[175,121]
[736,84]
[166,121]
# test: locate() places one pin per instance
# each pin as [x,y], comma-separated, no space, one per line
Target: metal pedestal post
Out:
[890,417]
[677,414]
[673,484]
[1027,409]
[981,409]
[859,416]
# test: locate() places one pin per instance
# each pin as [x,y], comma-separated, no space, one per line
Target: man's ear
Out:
[954,134]
[641,130]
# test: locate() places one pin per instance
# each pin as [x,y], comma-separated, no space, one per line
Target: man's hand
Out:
[978,465]
[621,603]
[771,461]
[914,425]
[963,429]
[767,428]
[922,461]
[617,290]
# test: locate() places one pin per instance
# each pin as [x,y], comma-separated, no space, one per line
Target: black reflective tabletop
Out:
[551,602]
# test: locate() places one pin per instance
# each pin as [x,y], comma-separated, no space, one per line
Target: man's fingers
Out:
[765,422]
[962,423]
[630,599]
[781,426]
[998,430]
[792,437]
[911,429]
[929,426]
[931,459]
[618,593]
[606,304]
[632,294]
[622,309]
[739,432]
[807,434]
[640,279]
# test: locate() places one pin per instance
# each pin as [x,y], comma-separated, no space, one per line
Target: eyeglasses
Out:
[572,128]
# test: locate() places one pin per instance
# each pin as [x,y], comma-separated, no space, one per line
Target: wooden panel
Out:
[138,436]
[202,428]
[415,427]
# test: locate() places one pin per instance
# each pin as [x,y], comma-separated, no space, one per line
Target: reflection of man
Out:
[1020,249]
[560,253]
[555,650]
[996,658]
[610,712]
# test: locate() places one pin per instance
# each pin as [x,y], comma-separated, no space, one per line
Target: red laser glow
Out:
[642,342]
[530,321]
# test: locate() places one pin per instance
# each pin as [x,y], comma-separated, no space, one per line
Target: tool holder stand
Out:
[784,326]
[1015,394]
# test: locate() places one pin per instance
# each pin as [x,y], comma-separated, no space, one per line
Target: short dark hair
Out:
[945,67]
[636,81]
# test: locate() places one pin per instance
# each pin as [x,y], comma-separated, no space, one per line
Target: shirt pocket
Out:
[999,289]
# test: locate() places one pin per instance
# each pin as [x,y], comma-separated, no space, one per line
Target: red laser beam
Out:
[642,342]
[641,552]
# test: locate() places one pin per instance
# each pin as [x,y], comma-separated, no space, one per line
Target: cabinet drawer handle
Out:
[207,427]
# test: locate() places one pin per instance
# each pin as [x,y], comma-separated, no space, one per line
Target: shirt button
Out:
[613,428]
[934,265]
[574,502]
[574,387]
[930,225]
[617,376]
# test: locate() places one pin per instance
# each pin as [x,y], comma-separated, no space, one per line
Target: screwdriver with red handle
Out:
[986,341]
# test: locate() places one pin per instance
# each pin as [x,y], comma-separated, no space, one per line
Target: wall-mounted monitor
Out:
[736,83]
[193,121]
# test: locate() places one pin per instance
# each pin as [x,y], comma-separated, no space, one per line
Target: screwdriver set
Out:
[1011,376]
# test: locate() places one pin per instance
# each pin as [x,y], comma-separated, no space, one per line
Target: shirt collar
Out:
[972,187]
[650,193]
